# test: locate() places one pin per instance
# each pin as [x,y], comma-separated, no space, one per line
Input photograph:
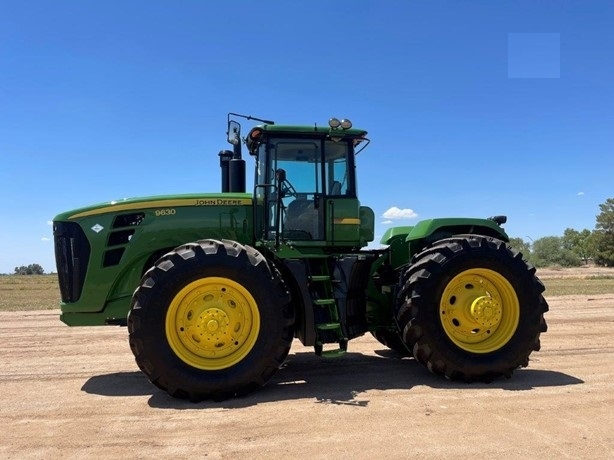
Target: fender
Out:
[426,232]
[435,229]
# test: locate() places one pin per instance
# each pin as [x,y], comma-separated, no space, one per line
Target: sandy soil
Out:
[77,393]
[585,271]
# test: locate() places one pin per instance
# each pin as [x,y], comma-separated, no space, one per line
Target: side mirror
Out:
[234,132]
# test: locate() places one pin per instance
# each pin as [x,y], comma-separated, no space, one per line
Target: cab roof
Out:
[307,129]
[256,132]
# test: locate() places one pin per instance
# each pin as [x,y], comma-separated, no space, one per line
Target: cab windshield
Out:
[314,169]
[312,166]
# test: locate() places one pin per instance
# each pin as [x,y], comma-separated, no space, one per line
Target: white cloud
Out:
[44,238]
[395,213]
[580,193]
[386,222]
[49,222]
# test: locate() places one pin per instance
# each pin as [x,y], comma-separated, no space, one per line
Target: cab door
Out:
[342,206]
[289,184]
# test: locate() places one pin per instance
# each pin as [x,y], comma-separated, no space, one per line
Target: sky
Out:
[473,108]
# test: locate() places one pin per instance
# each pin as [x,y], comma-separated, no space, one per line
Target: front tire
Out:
[471,309]
[210,319]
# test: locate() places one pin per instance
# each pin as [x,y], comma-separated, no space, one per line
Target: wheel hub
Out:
[212,325]
[486,311]
[210,329]
[214,319]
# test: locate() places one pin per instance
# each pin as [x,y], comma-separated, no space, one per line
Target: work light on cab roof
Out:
[334,123]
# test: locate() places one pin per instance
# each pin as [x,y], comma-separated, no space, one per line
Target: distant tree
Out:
[580,243]
[32,269]
[549,250]
[523,246]
[604,234]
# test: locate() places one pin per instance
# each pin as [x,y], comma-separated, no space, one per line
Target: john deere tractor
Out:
[214,287]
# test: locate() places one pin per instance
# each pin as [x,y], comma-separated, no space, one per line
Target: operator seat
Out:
[336,188]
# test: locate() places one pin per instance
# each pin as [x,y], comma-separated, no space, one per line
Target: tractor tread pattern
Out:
[194,387]
[416,295]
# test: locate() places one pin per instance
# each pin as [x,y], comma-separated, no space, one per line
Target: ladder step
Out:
[328,326]
[343,346]
[324,302]
[319,278]
[333,353]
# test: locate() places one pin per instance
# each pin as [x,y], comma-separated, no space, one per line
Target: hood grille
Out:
[72,253]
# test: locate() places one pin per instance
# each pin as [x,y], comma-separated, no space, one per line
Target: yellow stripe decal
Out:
[165,204]
[347,221]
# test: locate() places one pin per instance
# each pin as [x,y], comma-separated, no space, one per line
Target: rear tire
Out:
[392,340]
[210,319]
[471,309]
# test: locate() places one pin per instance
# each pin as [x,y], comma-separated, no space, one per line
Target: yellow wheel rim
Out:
[212,323]
[479,310]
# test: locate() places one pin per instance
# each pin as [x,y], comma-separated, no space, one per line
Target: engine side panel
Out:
[105,250]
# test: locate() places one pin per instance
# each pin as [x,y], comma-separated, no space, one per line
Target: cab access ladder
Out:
[326,308]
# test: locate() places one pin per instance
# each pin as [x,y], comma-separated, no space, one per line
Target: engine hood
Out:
[160,201]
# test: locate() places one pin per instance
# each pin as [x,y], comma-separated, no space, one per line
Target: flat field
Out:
[29,292]
[77,393]
[40,292]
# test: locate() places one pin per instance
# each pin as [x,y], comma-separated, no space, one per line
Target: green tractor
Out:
[215,287]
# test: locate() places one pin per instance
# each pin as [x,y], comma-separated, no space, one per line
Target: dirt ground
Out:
[585,271]
[77,393]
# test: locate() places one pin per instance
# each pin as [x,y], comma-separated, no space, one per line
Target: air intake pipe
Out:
[233,172]
[236,175]
[225,157]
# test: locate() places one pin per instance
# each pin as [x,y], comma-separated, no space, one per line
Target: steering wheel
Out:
[287,189]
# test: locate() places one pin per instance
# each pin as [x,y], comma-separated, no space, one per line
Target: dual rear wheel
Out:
[471,309]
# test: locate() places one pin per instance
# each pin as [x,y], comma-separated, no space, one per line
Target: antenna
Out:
[249,117]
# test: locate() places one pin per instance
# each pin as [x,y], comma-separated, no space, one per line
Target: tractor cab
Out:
[305,185]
